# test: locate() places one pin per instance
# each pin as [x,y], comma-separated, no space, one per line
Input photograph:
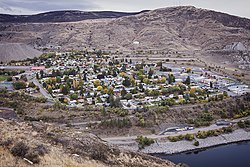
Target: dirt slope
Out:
[17,51]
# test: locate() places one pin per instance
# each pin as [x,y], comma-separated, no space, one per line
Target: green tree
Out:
[171,78]
[41,73]
[128,96]
[187,81]
[19,85]
[126,82]
[74,96]
[58,79]
[150,73]
[32,85]
[123,92]
[65,89]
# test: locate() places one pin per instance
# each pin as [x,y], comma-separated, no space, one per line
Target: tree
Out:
[50,89]
[37,76]
[19,85]
[128,96]
[123,69]
[211,84]
[146,81]
[97,83]
[140,86]
[32,85]
[74,96]
[65,89]
[99,88]
[81,91]
[171,78]
[111,91]
[58,79]
[187,81]
[126,82]
[162,80]
[41,73]
[130,61]
[85,77]
[151,72]
[123,92]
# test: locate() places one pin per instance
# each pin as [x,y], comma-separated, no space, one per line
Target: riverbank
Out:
[167,147]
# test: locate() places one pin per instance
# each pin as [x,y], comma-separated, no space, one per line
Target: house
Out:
[37,68]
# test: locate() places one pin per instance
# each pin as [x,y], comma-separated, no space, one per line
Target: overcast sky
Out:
[236,7]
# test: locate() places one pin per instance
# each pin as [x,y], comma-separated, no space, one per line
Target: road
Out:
[15,67]
[44,92]
[131,139]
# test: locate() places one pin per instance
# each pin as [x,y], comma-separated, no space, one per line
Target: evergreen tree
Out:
[187,81]
[123,93]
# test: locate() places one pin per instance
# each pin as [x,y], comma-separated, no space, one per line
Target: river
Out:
[232,155]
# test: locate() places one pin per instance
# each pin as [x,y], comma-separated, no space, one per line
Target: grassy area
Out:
[3,78]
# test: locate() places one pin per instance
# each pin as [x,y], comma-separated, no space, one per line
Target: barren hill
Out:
[17,51]
[176,28]
[62,16]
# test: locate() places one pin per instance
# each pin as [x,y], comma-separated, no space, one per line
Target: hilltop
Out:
[62,16]
[184,29]
[176,28]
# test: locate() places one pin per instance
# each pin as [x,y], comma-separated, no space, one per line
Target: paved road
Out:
[15,67]
[130,139]
[44,92]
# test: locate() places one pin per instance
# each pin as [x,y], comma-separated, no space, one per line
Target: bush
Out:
[189,137]
[196,143]
[20,149]
[244,124]
[173,138]
[19,85]
[144,141]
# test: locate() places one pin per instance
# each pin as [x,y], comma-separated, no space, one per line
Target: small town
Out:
[91,83]
[77,80]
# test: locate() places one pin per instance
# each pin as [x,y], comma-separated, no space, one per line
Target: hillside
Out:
[204,33]
[17,51]
[62,16]
[176,28]
[42,144]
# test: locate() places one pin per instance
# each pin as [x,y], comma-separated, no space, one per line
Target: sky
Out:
[21,7]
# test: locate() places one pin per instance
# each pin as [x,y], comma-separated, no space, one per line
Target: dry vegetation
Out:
[46,145]
[152,120]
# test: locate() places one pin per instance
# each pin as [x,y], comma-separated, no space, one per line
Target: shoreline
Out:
[202,149]
[170,148]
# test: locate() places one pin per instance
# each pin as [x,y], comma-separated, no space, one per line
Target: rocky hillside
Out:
[184,29]
[41,144]
[176,28]
[61,16]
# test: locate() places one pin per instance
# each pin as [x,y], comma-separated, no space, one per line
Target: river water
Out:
[233,155]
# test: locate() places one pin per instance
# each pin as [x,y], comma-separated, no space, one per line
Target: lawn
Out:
[3,78]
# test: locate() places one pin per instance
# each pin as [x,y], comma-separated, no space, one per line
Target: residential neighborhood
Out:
[77,80]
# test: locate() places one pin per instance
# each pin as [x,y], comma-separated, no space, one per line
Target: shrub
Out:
[173,138]
[20,149]
[19,85]
[189,137]
[144,141]
[196,143]
[244,124]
